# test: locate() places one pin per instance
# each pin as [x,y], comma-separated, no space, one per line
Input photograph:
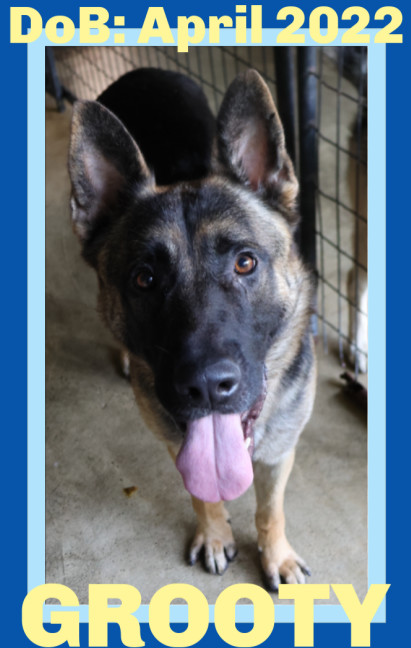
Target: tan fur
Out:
[214,534]
[278,559]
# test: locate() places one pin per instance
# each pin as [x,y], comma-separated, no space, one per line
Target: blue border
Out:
[13,263]
[376,317]
[36,316]
[13,325]
[36,324]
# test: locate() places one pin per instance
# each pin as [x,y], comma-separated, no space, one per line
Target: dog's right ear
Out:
[105,163]
[251,144]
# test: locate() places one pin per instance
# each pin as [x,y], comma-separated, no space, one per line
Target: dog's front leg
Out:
[214,534]
[279,560]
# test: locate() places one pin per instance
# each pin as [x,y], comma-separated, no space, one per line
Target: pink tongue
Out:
[213,460]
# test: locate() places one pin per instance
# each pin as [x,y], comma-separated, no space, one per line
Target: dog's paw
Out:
[217,547]
[281,564]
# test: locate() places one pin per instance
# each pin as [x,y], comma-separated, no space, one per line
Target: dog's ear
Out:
[251,144]
[105,164]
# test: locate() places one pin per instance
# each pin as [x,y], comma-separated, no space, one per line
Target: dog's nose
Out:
[210,386]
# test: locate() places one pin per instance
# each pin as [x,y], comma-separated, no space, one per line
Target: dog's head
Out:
[197,279]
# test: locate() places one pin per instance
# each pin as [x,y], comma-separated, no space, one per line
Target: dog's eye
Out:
[245,264]
[144,279]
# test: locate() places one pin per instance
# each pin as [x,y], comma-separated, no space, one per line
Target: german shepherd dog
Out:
[188,222]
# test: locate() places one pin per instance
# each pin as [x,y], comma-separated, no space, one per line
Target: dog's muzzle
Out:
[215,458]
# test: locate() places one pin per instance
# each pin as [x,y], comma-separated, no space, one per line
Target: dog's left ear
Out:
[251,144]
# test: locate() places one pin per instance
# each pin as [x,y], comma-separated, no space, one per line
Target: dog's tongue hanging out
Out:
[214,461]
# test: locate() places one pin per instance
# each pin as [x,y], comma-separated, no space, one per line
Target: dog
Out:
[189,222]
[357,278]
[354,68]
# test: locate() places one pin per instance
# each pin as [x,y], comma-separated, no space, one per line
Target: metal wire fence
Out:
[87,71]
[341,223]
[340,76]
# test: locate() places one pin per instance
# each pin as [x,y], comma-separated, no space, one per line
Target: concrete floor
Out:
[96,446]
